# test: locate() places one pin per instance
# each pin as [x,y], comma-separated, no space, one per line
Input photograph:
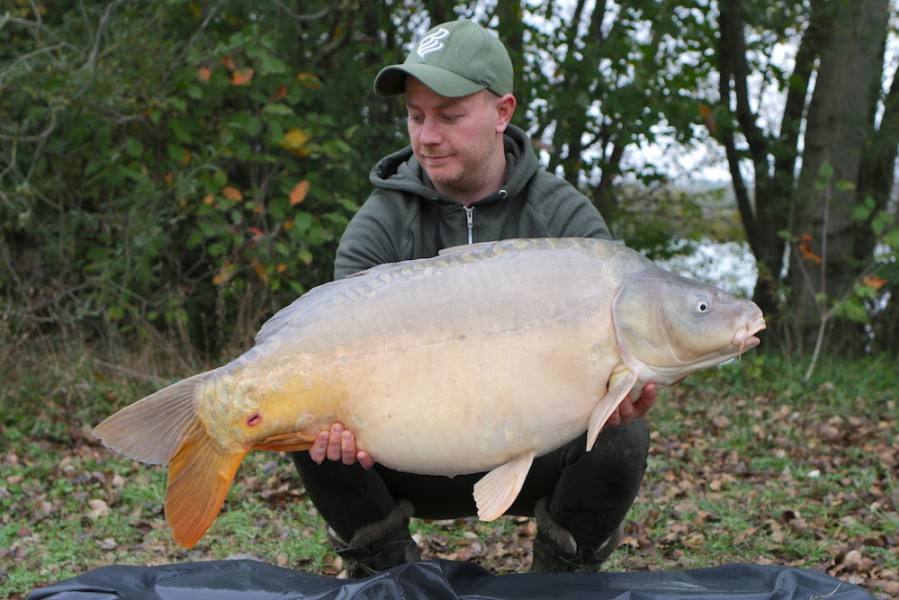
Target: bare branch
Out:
[30,55]
[101,29]
[33,138]
[298,17]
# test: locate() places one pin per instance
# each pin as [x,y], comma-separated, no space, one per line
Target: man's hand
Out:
[339,443]
[628,412]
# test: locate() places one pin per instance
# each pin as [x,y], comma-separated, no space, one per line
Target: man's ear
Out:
[505,108]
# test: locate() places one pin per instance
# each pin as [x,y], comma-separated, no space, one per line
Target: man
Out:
[469,176]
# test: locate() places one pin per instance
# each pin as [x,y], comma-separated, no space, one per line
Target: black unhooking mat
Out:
[443,580]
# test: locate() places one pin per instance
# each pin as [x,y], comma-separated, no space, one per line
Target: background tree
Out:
[822,179]
[175,172]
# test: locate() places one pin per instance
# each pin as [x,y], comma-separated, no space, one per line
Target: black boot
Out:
[380,545]
[556,551]
[579,523]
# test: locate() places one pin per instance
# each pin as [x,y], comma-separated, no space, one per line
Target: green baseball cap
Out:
[454,59]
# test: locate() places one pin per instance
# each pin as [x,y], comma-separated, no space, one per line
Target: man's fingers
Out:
[335,437]
[365,459]
[348,448]
[319,450]
[645,401]
[339,443]
[626,412]
[614,419]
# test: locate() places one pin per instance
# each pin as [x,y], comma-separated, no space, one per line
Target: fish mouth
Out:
[745,338]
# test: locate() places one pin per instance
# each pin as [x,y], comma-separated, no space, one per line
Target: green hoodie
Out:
[406,218]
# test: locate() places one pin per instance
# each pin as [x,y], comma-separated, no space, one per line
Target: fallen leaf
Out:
[98,508]
[743,535]
[107,544]
[696,540]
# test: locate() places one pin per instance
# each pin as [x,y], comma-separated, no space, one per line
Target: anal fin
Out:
[497,490]
[620,384]
[200,475]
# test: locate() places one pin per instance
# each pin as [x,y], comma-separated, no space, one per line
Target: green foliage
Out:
[182,169]
[187,169]
[178,171]
[603,86]
[879,275]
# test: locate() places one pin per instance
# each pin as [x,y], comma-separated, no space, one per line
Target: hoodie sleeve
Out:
[365,243]
[381,232]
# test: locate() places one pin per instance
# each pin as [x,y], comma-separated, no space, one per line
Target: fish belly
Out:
[464,406]
[456,368]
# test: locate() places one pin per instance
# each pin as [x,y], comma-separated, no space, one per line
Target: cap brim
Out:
[391,81]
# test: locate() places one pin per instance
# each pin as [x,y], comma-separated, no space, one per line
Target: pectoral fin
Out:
[497,490]
[620,384]
[200,475]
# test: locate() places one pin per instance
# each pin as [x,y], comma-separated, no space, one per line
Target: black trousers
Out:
[590,492]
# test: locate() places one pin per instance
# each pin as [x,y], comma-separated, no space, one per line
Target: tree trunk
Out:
[876,182]
[823,264]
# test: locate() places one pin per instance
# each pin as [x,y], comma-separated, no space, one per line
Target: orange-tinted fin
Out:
[497,490]
[292,441]
[151,430]
[199,478]
[620,384]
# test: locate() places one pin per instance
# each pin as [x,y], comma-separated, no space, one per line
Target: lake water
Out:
[728,265]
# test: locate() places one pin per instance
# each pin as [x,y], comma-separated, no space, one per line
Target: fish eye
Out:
[703,306]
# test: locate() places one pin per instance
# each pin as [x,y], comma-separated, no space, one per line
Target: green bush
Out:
[156,179]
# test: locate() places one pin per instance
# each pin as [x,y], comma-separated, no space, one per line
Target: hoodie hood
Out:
[405,218]
[401,171]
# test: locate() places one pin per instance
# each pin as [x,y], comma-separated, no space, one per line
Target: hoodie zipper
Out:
[469,221]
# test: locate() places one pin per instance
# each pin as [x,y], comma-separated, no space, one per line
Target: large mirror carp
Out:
[479,359]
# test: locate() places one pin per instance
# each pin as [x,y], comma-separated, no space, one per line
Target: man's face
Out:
[454,139]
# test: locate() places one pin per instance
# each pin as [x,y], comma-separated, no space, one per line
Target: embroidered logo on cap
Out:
[432,42]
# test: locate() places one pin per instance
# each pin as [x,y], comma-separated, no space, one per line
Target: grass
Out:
[749,464]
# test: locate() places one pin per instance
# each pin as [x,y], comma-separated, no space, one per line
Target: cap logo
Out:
[432,42]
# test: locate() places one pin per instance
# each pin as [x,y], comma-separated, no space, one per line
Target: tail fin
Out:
[163,429]
[152,430]
[199,478]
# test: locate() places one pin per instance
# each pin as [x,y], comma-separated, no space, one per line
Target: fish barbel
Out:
[479,359]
